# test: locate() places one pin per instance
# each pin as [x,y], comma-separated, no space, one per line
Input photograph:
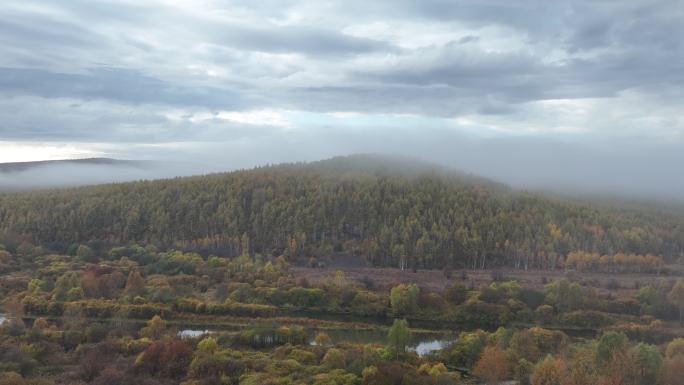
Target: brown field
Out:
[619,284]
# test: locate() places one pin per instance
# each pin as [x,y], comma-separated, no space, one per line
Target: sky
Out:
[578,95]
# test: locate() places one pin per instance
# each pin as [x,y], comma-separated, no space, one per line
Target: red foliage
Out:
[673,371]
[388,374]
[492,365]
[110,376]
[166,358]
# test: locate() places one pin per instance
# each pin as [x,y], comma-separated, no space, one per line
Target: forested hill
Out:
[391,211]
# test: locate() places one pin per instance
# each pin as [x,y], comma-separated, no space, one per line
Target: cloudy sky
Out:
[584,94]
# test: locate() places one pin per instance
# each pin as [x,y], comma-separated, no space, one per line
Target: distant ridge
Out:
[23,166]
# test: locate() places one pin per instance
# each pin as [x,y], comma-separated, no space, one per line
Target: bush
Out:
[613,284]
[301,297]
[404,299]
[483,314]
[653,334]
[368,303]
[587,319]
[456,294]
[530,297]
[544,314]
[229,307]
[165,358]
[268,337]
[334,359]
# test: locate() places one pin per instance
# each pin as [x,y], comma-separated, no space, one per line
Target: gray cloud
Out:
[264,78]
[305,40]
[113,84]
[601,49]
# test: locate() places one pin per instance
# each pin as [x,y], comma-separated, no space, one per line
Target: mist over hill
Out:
[21,176]
[14,167]
[390,211]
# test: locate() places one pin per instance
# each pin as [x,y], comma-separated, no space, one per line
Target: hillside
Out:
[389,211]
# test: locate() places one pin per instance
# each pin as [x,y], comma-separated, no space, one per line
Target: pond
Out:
[421,342]
[426,347]
[193,333]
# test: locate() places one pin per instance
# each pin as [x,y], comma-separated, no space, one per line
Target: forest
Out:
[139,316]
[210,280]
[387,212]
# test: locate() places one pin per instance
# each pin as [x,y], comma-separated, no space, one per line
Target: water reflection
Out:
[192,333]
[421,343]
[426,347]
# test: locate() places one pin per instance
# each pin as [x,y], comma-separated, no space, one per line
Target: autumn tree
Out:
[165,358]
[135,284]
[334,359]
[492,366]
[523,370]
[584,370]
[404,299]
[524,345]
[608,346]
[676,297]
[675,348]
[648,363]
[15,310]
[93,361]
[322,339]
[64,285]
[565,295]
[213,363]
[673,371]
[155,328]
[550,371]
[85,253]
[456,293]
[208,344]
[467,349]
[111,376]
[398,336]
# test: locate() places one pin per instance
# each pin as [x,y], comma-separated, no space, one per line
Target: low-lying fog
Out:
[629,169]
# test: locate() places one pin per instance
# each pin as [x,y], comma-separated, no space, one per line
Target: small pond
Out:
[426,347]
[193,333]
